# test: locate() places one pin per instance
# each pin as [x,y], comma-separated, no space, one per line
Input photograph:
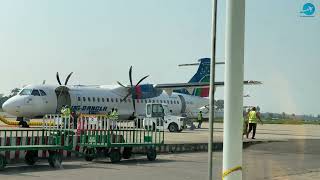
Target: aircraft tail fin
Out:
[202,75]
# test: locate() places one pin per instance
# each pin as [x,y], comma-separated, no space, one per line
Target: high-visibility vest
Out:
[66,111]
[115,115]
[253,117]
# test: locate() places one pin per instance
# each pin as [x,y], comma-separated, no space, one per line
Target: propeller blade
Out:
[58,78]
[121,84]
[142,80]
[126,96]
[66,82]
[134,104]
[130,76]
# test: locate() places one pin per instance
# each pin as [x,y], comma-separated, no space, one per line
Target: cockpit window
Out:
[25,92]
[35,92]
[42,93]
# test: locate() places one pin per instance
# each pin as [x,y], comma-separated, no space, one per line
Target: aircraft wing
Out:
[198,85]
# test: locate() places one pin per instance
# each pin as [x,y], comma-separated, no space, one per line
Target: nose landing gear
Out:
[22,122]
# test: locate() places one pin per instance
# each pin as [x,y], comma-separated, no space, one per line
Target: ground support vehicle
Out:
[55,135]
[102,136]
[159,116]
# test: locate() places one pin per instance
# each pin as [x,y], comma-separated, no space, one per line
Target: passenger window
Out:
[89,99]
[84,99]
[178,102]
[111,99]
[145,101]
[137,100]
[79,99]
[102,99]
[107,99]
[42,93]
[98,99]
[171,101]
[149,100]
[160,101]
[153,101]
[116,99]
[35,93]
[93,99]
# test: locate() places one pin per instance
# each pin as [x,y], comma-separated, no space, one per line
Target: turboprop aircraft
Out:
[182,98]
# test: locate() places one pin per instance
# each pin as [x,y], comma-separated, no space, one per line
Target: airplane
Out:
[35,101]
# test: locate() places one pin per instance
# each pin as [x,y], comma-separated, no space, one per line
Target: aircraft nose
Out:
[8,106]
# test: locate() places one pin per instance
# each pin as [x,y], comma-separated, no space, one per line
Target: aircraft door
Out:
[44,97]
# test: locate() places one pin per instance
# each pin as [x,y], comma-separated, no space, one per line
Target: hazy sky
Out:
[99,40]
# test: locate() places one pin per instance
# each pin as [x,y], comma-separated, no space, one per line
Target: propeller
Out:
[66,81]
[132,88]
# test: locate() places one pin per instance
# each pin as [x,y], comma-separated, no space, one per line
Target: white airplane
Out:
[182,98]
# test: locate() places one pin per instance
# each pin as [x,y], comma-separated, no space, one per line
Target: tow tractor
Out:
[159,116]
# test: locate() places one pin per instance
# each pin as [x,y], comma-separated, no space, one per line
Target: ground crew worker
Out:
[245,121]
[200,119]
[114,117]
[115,114]
[253,116]
[66,112]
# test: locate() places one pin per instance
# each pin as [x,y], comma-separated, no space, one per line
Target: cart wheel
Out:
[115,155]
[31,157]
[89,154]
[3,162]
[127,152]
[55,159]
[173,127]
[151,154]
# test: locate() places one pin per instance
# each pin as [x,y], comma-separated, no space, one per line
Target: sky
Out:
[99,40]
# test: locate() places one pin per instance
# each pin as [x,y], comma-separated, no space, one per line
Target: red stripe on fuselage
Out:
[138,92]
[204,92]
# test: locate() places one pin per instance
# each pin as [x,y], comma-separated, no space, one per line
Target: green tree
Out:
[14,92]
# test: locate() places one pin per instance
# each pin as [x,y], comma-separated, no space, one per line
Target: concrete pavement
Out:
[292,160]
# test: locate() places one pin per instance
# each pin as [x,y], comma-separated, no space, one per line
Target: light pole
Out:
[212,88]
[234,53]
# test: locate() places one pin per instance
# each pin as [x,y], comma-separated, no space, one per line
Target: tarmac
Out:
[278,152]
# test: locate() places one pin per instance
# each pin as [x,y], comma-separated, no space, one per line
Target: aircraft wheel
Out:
[127,152]
[55,159]
[151,154]
[31,157]
[173,127]
[3,162]
[115,155]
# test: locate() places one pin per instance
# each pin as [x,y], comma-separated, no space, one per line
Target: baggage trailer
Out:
[102,136]
[55,135]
